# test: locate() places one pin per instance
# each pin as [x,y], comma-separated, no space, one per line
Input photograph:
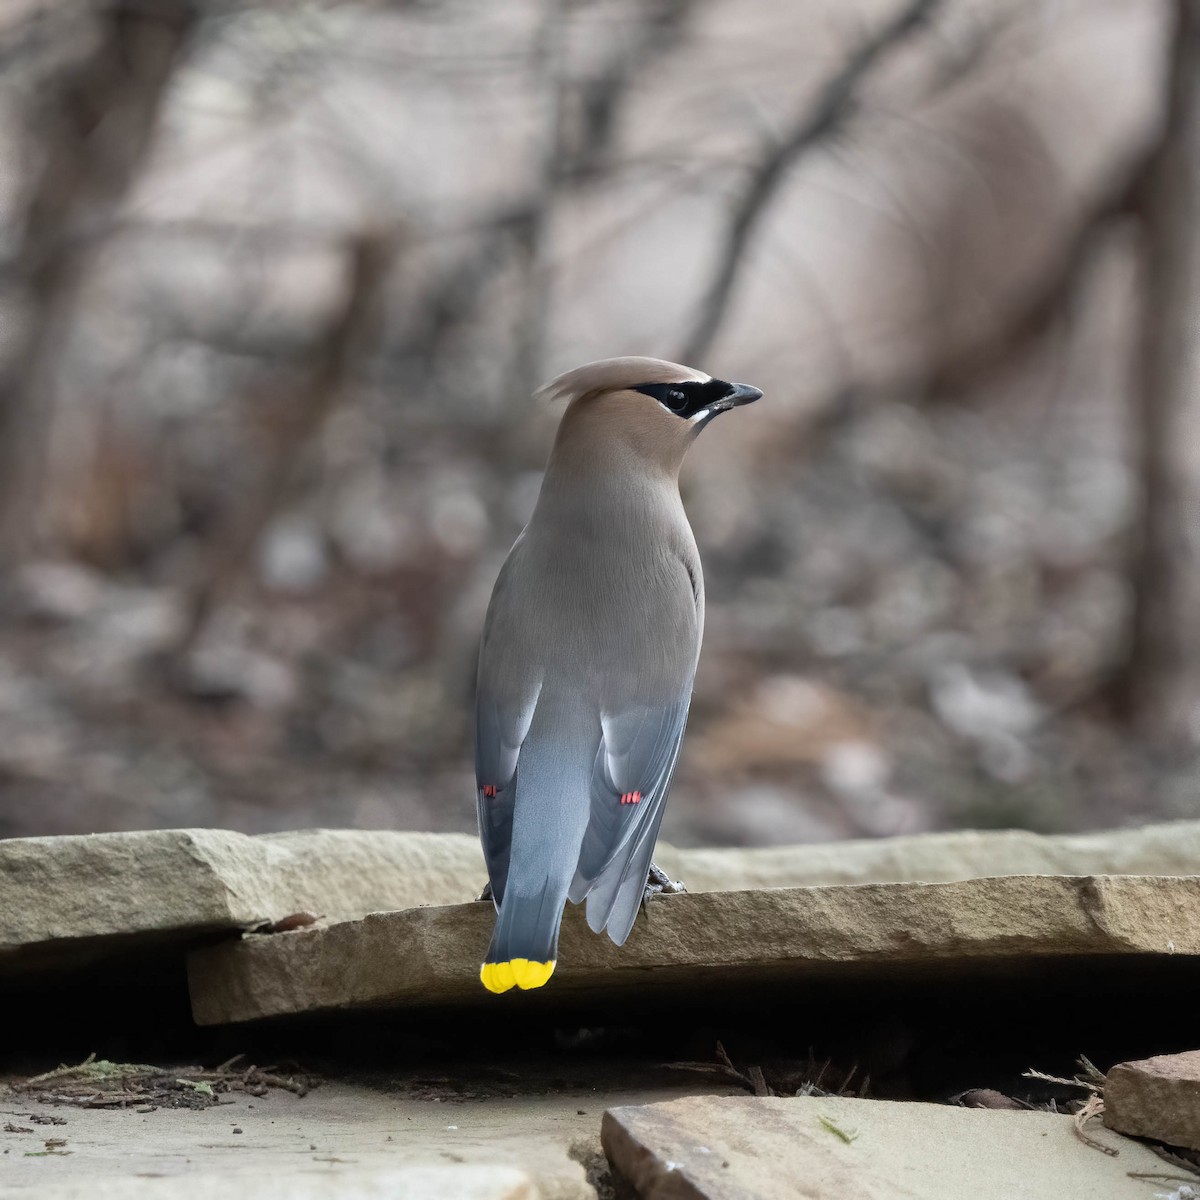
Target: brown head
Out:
[638,409]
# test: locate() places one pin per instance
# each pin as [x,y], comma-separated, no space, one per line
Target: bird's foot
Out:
[658,883]
[486,894]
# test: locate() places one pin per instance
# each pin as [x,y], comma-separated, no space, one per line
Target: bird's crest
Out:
[614,374]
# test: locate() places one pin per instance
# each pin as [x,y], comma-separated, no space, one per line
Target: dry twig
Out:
[99,1083]
[1091,1079]
[1186,1160]
[751,1079]
[1093,1106]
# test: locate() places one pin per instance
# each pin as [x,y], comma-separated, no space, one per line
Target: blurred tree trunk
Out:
[346,342]
[93,129]
[1161,684]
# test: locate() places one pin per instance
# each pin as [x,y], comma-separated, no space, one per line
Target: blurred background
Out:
[277,281]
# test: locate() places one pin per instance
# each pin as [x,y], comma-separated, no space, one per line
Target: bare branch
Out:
[834,105]
[581,150]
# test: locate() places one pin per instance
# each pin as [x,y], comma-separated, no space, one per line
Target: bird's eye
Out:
[676,399]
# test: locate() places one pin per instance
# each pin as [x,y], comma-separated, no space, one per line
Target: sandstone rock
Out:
[66,900]
[411,1183]
[1168,849]
[830,1148]
[340,1142]
[706,940]
[1156,1098]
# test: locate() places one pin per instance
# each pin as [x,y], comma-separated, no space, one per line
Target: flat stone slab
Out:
[693,944]
[406,1183]
[831,1148]
[1156,1098]
[68,901]
[342,1141]
[72,900]
[1171,848]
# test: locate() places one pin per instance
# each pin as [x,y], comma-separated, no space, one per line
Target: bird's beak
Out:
[743,393]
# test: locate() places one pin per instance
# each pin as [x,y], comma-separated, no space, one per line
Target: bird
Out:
[587,660]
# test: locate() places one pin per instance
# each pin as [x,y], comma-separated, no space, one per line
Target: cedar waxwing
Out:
[586,666]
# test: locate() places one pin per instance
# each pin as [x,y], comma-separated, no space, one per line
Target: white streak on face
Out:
[700,416]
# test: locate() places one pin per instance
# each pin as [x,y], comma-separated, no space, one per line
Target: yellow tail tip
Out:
[519,972]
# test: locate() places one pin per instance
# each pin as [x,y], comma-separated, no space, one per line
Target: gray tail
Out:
[550,815]
[527,926]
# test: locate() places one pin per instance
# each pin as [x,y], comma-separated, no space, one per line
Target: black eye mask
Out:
[687,399]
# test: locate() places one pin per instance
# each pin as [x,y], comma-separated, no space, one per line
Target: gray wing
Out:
[634,766]
[506,695]
[500,730]
[630,782]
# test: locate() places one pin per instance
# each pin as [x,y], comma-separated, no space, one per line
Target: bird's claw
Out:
[659,883]
[486,894]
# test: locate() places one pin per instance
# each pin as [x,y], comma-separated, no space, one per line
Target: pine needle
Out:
[847,1135]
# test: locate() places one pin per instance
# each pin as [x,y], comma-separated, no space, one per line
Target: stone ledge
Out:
[430,956]
[68,901]
[708,1148]
[71,900]
[1167,849]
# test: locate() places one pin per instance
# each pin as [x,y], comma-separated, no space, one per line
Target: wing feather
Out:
[638,752]
[500,731]
[506,696]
